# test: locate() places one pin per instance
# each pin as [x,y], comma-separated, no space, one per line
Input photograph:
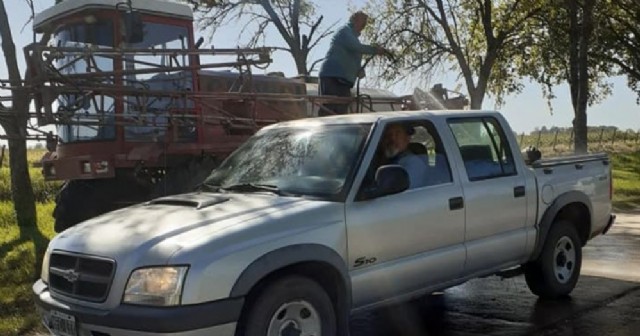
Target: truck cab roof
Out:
[358,118]
[68,7]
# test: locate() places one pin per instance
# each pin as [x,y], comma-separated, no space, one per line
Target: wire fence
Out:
[560,140]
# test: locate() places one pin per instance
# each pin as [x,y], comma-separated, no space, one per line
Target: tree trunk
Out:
[581,139]
[301,61]
[580,29]
[21,188]
[574,42]
[476,97]
[16,129]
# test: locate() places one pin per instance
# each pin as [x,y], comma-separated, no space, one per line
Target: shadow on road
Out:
[506,307]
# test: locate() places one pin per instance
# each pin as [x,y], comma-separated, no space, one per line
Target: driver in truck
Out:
[396,149]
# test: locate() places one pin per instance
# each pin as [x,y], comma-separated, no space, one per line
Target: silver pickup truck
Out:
[312,220]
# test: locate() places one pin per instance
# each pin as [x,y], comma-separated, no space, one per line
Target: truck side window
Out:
[426,145]
[426,139]
[483,147]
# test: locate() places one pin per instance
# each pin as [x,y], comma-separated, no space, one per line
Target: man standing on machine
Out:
[341,66]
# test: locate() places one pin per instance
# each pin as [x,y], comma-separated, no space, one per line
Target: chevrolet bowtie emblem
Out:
[70,275]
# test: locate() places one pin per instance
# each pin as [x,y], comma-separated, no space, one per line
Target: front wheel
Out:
[556,271]
[291,306]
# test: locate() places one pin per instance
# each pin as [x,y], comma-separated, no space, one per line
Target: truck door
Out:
[401,243]
[494,194]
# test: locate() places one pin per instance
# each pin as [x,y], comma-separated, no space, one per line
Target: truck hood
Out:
[155,230]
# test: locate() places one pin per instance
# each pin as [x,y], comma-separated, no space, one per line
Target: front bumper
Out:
[211,318]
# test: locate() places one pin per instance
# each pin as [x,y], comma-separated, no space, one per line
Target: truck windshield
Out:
[159,75]
[313,161]
[91,117]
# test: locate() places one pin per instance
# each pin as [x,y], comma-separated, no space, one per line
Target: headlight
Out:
[155,286]
[44,273]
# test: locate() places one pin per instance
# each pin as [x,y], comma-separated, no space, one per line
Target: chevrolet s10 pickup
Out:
[312,220]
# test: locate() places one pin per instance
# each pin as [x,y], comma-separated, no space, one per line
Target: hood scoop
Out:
[195,200]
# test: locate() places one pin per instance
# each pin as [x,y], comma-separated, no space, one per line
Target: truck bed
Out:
[589,174]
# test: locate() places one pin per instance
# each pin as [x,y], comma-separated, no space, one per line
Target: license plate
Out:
[60,324]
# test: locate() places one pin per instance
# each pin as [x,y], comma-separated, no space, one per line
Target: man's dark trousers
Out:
[333,86]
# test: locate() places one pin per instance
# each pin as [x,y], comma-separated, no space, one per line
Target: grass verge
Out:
[626,181]
[17,268]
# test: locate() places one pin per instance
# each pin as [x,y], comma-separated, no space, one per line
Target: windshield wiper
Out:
[253,187]
[207,187]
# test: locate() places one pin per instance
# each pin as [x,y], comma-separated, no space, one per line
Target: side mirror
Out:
[390,179]
[532,155]
[134,27]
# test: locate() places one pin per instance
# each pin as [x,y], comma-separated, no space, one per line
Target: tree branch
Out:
[277,22]
[313,65]
[295,21]
[314,27]
[457,50]
[33,15]
[322,36]
[9,48]
[632,72]
[487,23]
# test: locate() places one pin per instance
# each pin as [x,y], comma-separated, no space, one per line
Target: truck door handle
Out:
[519,191]
[456,203]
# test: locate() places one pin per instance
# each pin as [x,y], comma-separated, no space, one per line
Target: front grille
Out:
[81,276]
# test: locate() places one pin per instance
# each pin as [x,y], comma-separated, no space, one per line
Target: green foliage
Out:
[546,56]
[476,39]
[619,32]
[44,191]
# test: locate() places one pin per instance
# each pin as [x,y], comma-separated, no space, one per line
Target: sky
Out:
[525,111]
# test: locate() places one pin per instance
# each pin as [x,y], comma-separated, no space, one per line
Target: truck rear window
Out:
[483,147]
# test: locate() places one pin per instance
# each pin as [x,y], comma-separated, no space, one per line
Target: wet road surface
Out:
[606,300]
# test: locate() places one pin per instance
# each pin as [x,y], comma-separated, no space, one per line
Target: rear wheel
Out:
[557,270]
[291,306]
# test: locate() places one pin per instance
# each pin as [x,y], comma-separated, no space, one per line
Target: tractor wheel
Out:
[79,200]
[184,177]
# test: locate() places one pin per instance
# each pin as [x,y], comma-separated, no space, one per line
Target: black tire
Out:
[547,277]
[73,205]
[79,200]
[271,303]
